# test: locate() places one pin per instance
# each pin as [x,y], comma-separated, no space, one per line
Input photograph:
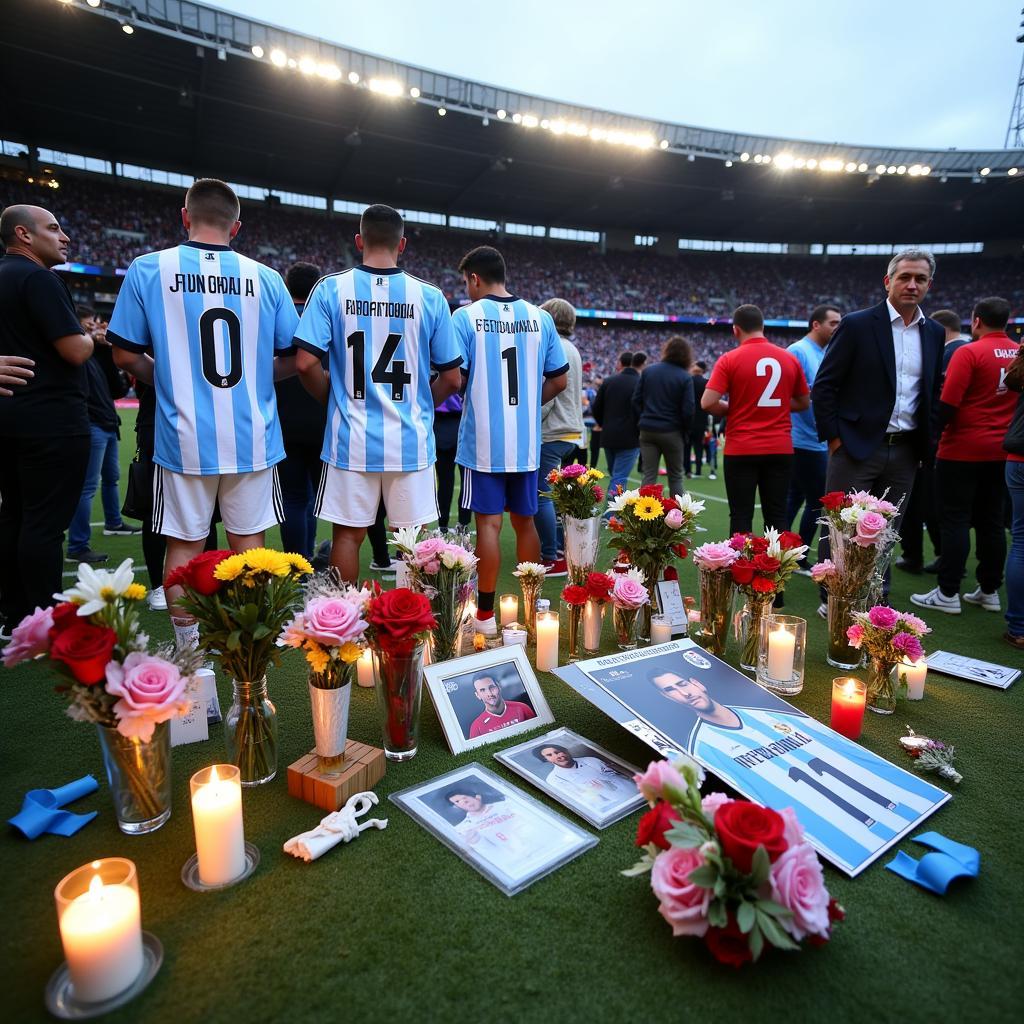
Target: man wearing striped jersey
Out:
[385,331]
[514,363]
[211,330]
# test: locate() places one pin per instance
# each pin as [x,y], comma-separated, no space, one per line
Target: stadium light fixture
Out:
[517,118]
[557,127]
[257,52]
[278,58]
[985,171]
[880,169]
[811,164]
[386,87]
[831,165]
[784,161]
[93,3]
[530,121]
[799,163]
[414,92]
[330,72]
[862,167]
[926,170]
[441,111]
[767,158]
[502,114]
[902,169]
[663,144]
[545,124]
[757,158]
[127,29]
[914,170]
[307,65]
[850,167]
[744,157]
[353,77]
[728,163]
[1012,172]
[292,63]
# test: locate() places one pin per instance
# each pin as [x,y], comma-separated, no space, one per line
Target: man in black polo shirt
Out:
[44,425]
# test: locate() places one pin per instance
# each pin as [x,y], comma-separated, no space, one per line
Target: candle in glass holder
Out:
[509,609]
[916,673]
[849,697]
[364,668]
[661,629]
[100,922]
[593,617]
[547,641]
[217,817]
[513,635]
[781,649]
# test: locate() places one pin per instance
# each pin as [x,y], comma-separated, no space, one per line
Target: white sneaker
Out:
[711,476]
[990,602]
[157,600]
[823,610]
[486,627]
[937,600]
[387,570]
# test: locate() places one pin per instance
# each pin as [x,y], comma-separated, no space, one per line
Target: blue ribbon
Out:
[935,871]
[41,811]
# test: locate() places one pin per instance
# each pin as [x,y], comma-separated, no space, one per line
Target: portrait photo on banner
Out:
[852,803]
[486,697]
[509,837]
[578,773]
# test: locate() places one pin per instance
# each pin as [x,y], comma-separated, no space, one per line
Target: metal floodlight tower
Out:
[1015,129]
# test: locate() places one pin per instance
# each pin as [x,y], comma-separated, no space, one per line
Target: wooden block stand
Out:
[364,768]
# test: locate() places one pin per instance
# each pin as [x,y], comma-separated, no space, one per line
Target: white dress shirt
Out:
[907,345]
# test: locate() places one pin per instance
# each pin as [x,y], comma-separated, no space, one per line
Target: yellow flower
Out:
[350,652]
[230,569]
[299,564]
[648,508]
[135,592]
[317,657]
[596,474]
[267,560]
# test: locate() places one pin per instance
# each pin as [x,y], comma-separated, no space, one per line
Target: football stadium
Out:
[724,327]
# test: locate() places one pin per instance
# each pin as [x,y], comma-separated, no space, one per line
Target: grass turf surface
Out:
[394,925]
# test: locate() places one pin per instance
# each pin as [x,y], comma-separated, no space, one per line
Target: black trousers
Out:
[921,512]
[769,476]
[445,469]
[40,483]
[806,489]
[971,494]
[693,453]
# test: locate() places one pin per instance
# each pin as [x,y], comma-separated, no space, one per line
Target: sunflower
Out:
[230,568]
[648,509]
[135,592]
[299,564]
[267,560]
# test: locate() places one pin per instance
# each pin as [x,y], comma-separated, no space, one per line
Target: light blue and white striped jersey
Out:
[384,330]
[508,347]
[212,320]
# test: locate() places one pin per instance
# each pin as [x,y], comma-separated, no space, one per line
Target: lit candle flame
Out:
[96,888]
[214,778]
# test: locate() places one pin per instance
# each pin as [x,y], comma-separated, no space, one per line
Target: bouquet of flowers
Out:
[94,641]
[888,637]
[736,874]
[861,535]
[531,581]
[628,595]
[760,571]
[574,490]
[714,562]
[443,571]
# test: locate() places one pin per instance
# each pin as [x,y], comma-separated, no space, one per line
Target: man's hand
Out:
[15,371]
[834,445]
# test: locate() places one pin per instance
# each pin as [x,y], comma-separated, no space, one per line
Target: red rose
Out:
[670,573]
[742,571]
[743,826]
[197,574]
[615,525]
[759,545]
[64,616]
[762,585]
[788,540]
[397,616]
[598,493]
[679,550]
[652,490]
[651,828]
[669,503]
[833,501]
[574,595]
[765,563]
[599,586]
[729,945]
[85,649]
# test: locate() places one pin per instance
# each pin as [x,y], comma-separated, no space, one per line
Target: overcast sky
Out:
[932,74]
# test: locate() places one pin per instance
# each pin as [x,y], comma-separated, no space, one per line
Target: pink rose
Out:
[29,638]
[429,550]
[333,621]
[799,885]
[683,904]
[673,519]
[883,617]
[627,593]
[573,471]
[869,526]
[431,568]
[794,833]
[855,634]
[712,802]
[908,645]
[823,569]
[885,508]
[652,782]
[151,690]
[715,556]
[914,624]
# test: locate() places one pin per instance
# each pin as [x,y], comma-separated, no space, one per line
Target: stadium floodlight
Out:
[386,87]
[307,65]
[663,144]
[830,165]
[330,72]
[353,77]
[744,157]
[414,92]
[278,58]
[557,127]
[292,63]
[1012,172]
[880,169]
[257,52]
[441,111]
[517,118]
[767,158]
[579,130]
[784,161]
[598,134]
[891,169]
[985,171]
[728,163]
[926,170]
[92,3]
[914,170]
[902,169]
[799,163]
[127,29]
[502,114]
[862,168]
[851,167]
[545,124]
[530,121]
[811,164]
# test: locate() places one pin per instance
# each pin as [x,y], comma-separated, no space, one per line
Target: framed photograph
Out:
[486,697]
[509,837]
[584,777]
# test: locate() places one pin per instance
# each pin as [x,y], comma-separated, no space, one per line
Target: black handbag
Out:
[138,496]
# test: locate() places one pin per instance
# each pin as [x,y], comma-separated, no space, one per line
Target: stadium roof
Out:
[202,91]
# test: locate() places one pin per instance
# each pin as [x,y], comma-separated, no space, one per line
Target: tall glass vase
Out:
[139,773]
[399,694]
[448,599]
[582,543]
[625,622]
[330,706]
[881,690]
[750,609]
[572,615]
[840,617]
[250,731]
[652,573]
[531,592]
[716,589]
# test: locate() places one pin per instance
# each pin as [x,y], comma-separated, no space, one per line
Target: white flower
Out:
[531,569]
[405,538]
[633,573]
[774,547]
[464,560]
[852,514]
[688,504]
[618,503]
[689,769]
[96,588]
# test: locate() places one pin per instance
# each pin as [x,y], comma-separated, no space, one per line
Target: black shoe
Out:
[86,555]
[122,530]
[322,557]
[933,565]
[908,566]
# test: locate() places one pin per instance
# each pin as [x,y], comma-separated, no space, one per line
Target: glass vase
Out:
[399,694]
[582,543]
[716,592]
[448,599]
[139,773]
[840,617]
[750,609]
[531,592]
[330,706]
[625,621]
[572,615]
[593,620]
[250,731]
[881,690]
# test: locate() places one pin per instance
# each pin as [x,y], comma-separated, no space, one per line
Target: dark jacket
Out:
[855,388]
[663,400]
[106,383]
[700,417]
[612,409]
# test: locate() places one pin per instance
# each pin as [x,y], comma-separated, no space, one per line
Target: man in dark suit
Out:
[612,411]
[876,394]
[694,452]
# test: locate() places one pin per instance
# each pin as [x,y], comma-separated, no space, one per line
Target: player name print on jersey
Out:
[212,284]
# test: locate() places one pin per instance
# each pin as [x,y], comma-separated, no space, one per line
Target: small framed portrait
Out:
[509,837]
[584,777]
[486,697]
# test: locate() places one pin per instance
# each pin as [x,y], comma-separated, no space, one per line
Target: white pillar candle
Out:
[364,668]
[217,817]
[592,625]
[781,647]
[916,673]
[547,641]
[661,629]
[511,636]
[101,931]
[509,609]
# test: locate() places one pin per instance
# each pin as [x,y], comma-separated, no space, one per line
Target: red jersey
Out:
[975,385]
[515,711]
[759,378]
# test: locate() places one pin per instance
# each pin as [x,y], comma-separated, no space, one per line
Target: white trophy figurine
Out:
[338,827]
